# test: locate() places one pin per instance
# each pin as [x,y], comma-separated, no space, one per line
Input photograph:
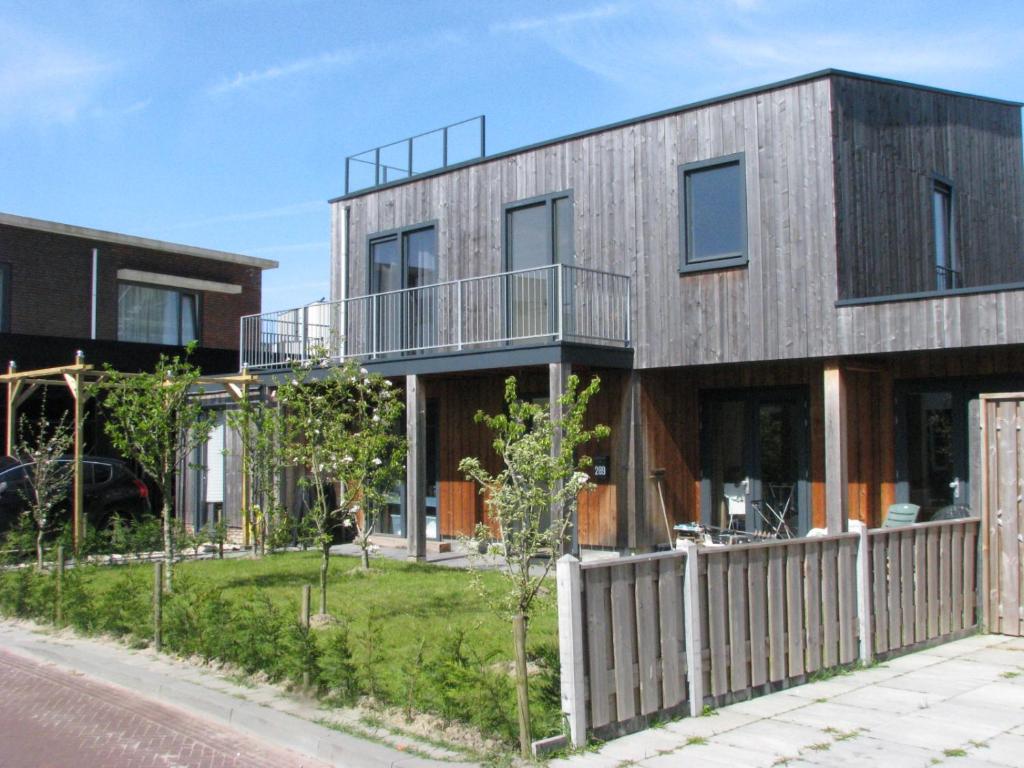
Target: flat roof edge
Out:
[799,79]
[72,230]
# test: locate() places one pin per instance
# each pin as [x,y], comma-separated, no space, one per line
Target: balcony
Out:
[545,306]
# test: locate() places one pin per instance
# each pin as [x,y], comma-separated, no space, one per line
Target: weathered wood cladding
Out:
[624,183]
[837,164]
[890,144]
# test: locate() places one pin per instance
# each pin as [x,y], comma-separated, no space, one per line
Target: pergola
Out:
[76,377]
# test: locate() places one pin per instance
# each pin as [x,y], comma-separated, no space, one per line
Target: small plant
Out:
[338,672]
[1010,675]
[822,746]
[708,711]
[696,741]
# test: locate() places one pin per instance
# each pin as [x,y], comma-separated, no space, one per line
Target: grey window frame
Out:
[954,270]
[738,259]
[197,295]
[398,234]
[548,200]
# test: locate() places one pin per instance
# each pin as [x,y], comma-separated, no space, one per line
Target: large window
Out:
[947,268]
[713,214]
[404,259]
[156,315]
[538,232]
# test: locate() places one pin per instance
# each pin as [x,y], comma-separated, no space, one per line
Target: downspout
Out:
[339,268]
[95,281]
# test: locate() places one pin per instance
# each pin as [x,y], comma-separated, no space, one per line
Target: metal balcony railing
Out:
[552,304]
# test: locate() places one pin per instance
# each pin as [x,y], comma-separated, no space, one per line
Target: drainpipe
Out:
[95,277]
[339,269]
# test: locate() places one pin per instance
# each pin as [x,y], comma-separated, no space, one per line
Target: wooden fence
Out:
[763,617]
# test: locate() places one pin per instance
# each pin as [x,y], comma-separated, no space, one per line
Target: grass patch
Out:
[955,752]
[411,635]
[1009,675]
[821,746]
[696,741]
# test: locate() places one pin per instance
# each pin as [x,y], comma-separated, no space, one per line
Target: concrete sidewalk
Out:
[961,704]
[261,712]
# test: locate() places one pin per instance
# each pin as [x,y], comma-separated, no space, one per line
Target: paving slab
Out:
[887,699]
[776,736]
[712,755]
[866,752]
[770,706]
[830,714]
[1006,749]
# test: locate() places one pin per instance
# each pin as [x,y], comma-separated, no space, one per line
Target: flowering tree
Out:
[44,446]
[158,420]
[341,429]
[534,480]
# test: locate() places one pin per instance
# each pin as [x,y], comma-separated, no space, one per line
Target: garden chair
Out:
[901,514]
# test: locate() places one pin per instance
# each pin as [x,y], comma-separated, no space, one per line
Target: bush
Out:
[338,674]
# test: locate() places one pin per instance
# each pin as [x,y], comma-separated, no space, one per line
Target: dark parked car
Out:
[109,487]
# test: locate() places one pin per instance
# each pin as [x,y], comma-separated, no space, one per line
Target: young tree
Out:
[44,446]
[534,480]
[341,429]
[157,420]
[259,427]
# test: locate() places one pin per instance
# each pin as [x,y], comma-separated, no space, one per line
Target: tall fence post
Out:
[568,578]
[158,605]
[692,628]
[59,597]
[304,606]
[864,619]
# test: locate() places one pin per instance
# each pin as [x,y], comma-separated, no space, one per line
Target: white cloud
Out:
[44,79]
[542,23]
[304,66]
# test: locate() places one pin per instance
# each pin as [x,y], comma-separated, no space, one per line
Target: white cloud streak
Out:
[560,20]
[45,80]
[305,66]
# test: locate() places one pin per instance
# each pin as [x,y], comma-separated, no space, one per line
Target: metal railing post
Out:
[458,314]
[348,161]
[305,333]
[373,326]
[629,313]
[560,303]
[483,135]
[444,147]
[410,157]
[376,166]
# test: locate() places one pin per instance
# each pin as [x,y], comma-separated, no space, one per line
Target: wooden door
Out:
[1002,429]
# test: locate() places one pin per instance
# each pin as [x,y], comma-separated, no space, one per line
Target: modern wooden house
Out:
[793,296]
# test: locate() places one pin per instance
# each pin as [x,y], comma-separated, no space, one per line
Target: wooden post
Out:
[59,597]
[692,628]
[864,618]
[558,377]
[304,605]
[158,605]
[568,578]
[416,468]
[837,508]
[12,416]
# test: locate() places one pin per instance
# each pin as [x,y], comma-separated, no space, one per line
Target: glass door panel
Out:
[529,248]
[728,476]
[386,275]
[778,463]
[933,479]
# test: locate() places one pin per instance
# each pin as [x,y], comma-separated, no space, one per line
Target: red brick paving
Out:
[51,718]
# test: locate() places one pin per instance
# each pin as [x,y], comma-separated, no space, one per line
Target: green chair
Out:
[901,514]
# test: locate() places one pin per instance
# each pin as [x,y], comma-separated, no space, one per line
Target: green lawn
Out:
[421,637]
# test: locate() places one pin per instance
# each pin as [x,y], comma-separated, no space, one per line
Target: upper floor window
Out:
[5,298]
[538,232]
[947,266]
[403,258]
[154,315]
[713,214]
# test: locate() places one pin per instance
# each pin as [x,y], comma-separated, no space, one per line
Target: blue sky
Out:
[225,123]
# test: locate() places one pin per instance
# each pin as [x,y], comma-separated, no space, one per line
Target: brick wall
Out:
[51,283]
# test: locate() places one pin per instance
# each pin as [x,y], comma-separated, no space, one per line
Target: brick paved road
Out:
[51,718]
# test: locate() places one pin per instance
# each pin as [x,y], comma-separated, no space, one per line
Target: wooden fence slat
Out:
[829,604]
[847,577]
[794,611]
[670,617]
[945,598]
[812,605]
[757,588]
[738,613]
[717,625]
[907,585]
[647,628]
[920,585]
[970,584]
[598,643]
[956,579]
[879,587]
[894,590]
[693,628]
[932,542]
[623,640]
[776,614]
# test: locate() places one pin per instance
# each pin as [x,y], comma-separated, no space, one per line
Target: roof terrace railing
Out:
[397,160]
[545,305]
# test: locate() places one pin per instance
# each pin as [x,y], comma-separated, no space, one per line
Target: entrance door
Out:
[395,514]
[403,269]
[754,448]
[932,460]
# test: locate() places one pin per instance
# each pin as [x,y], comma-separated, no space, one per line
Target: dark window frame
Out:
[196,295]
[950,276]
[398,234]
[5,296]
[548,200]
[739,259]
